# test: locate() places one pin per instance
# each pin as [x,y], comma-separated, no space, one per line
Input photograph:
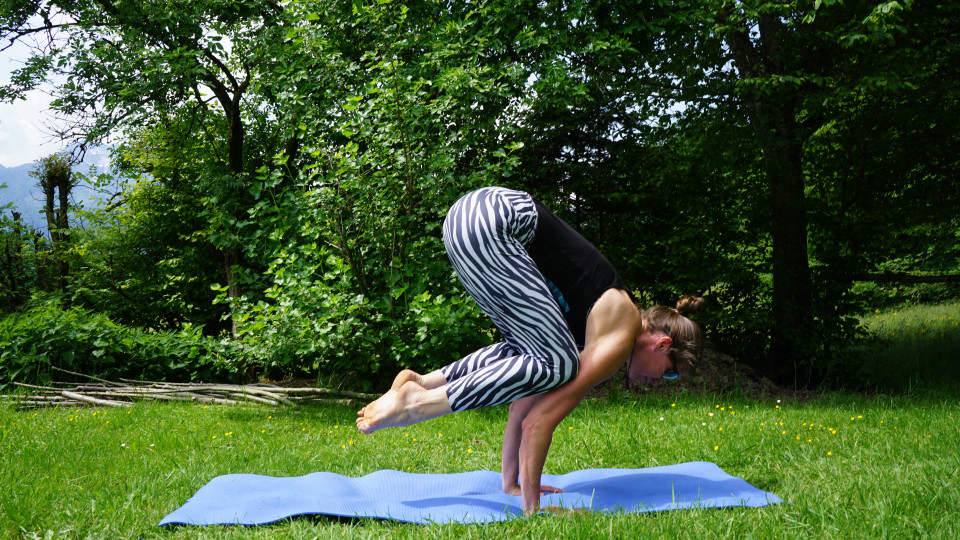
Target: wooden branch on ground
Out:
[91,377]
[104,393]
[93,400]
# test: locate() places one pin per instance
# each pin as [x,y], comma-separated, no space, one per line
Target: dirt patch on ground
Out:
[715,374]
[720,373]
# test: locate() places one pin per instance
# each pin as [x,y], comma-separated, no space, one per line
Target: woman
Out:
[567,321]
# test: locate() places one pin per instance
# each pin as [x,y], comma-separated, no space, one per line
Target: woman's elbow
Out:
[535,425]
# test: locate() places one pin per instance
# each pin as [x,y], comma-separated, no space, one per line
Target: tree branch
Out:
[895,277]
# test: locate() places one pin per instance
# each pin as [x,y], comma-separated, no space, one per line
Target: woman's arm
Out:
[597,364]
[612,328]
[512,436]
[536,435]
[511,444]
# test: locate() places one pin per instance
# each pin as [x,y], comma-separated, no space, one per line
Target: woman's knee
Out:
[568,366]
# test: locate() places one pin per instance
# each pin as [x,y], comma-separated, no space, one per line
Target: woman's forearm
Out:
[510,458]
[510,455]
[534,446]
[536,434]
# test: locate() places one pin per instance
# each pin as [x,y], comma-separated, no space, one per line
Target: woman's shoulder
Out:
[613,316]
[612,329]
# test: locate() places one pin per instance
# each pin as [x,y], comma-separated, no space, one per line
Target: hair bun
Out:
[689,305]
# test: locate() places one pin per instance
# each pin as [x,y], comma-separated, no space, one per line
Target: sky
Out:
[22,137]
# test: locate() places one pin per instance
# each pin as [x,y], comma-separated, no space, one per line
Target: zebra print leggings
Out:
[485,234]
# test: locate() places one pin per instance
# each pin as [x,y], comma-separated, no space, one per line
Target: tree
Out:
[882,168]
[782,67]
[54,176]
[401,124]
[15,282]
[749,150]
[127,65]
[143,258]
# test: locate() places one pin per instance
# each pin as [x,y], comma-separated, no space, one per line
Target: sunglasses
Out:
[672,373]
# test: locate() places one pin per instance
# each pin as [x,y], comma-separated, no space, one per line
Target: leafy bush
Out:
[48,335]
[349,231]
[330,311]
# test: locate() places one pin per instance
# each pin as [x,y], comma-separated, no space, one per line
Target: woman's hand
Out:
[515,490]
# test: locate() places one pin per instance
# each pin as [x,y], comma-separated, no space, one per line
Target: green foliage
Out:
[674,197]
[314,317]
[803,75]
[49,335]
[144,261]
[359,280]
[290,186]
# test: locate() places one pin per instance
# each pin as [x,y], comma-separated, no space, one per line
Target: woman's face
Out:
[650,357]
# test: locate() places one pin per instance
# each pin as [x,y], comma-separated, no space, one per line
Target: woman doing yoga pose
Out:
[568,324]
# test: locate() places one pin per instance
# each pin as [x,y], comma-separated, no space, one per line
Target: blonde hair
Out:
[687,336]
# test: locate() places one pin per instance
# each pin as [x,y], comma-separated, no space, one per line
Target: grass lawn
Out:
[913,346]
[852,466]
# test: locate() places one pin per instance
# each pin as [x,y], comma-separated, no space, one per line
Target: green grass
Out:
[913,346]
[852,466]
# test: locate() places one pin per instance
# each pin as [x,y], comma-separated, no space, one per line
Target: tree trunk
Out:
[229,99]
[14,265]
[63,226]
[55,179]
[230,260]
[231,255]
[772,115]
[54,221]
[791,338]
[235,136]
[41,259]
[10,295]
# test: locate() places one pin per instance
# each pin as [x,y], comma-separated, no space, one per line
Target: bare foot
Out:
[405,376]
[409,404]
[393,409]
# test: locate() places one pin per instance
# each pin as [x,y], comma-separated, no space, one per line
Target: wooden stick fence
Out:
[104,393]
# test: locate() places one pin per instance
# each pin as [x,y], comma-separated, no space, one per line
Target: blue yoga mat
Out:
[469,497]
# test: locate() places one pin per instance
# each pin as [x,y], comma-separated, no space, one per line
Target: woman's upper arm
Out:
[611,331]
[555,405]
[597,364]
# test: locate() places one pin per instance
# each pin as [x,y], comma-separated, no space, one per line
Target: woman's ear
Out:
[664,343]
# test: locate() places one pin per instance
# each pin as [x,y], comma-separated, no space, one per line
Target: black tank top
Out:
[576,272]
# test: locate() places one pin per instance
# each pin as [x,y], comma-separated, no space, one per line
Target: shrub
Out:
[48,335]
